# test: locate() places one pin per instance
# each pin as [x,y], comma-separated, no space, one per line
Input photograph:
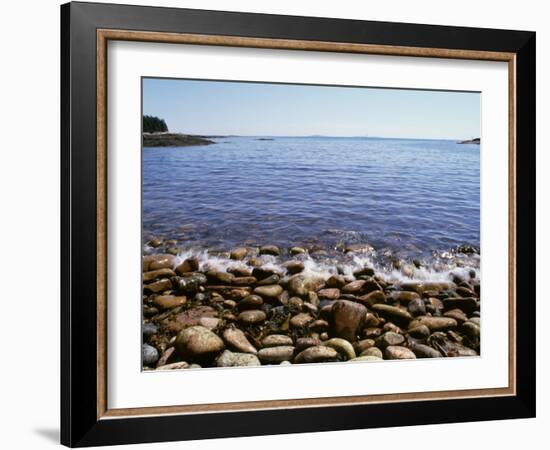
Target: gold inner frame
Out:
[104,35]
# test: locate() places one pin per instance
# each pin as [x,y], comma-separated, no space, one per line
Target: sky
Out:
[268,109]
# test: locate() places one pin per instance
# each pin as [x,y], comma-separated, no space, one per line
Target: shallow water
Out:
[407,198]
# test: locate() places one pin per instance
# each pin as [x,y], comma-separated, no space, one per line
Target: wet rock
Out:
[189,283]
[164,302]
[175,366]
[270,250]
[294,267]
[425,351]
[148,329]
[471,329]
[316,354]
[300,285]
[434,303]
[231,359]
[365,271]
[465,292]
[420,332]
[198,344]
[300,320]
[336,281]
[306,342]
[347,318]
[240,271]
[276,340]
[319,326]
[434,323]
[390,326]
[372,298]
[358,248]
[421,288]
[271,279]
[237,294]
[313,298]
[156,274]
[150,311]
[325,309]
[209,322]
[398,352]
[276,355]
[372,332]
[341,346]
[330,293]
[239,253]
[158,286]
[417,307]
[188,318]
[393,312]
[155,262]
[371,320]
[150,355]
[475,320]
[448,348]
[468,304]
[250,302]
[362,345]
[217,277]
[371,285]
[405,296]
[166,357]
[389,338]
[297,250]
[251,317]
[354,287]
[244,281]
[271,291]
[372,351]
[366,358]
[456,314]
[189,265]
[236,340]
[295,303]
[155,242]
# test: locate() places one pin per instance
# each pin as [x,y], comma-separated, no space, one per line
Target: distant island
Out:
[173,140]
[471,141]
[156,134]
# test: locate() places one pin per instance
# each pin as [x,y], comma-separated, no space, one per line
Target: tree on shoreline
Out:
[152,124]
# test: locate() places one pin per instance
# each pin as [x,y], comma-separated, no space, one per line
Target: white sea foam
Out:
[442,269]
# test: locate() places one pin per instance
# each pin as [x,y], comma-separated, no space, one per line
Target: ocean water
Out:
[407,198]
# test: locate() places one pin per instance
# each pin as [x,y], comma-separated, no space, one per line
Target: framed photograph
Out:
[276,224]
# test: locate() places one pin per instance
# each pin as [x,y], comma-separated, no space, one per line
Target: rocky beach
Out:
[271,305]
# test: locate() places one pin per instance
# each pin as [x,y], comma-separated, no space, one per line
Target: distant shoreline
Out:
[173,140]
[471,141]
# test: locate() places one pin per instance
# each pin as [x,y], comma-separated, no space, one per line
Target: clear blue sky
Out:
[264,109]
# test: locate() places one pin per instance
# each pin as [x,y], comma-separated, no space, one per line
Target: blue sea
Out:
[407,198]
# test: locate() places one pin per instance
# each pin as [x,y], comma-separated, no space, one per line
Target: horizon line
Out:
[321,136]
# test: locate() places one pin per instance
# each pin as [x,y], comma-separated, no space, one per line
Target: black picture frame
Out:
[80,425]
